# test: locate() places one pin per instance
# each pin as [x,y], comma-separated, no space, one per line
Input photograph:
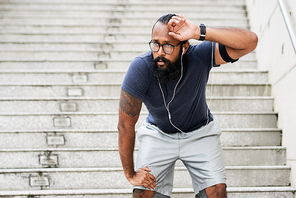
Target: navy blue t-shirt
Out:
[189,107]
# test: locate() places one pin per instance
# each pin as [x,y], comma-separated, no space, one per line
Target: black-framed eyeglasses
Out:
[167,48]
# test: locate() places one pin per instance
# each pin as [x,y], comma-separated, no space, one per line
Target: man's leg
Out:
[217,191]
[138,193]
[161,161]
[202,154]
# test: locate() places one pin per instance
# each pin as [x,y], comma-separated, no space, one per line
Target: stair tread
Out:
[117,98]
[110,71]
[113,131]
[128,191]
[108,169]
[116,149]
[143,113]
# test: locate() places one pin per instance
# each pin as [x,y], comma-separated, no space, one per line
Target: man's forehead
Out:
[161,32]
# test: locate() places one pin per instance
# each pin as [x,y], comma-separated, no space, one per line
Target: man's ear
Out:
[185,47]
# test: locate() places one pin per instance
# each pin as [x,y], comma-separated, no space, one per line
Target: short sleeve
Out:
[206,53]
[137,78]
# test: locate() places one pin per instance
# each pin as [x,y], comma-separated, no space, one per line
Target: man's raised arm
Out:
[238,42]
[129,111]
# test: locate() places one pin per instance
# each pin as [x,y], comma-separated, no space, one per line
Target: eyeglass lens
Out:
[168,49]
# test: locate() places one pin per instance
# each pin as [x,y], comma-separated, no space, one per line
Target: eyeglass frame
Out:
[161,45]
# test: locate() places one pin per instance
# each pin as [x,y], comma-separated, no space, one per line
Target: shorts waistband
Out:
[210,129]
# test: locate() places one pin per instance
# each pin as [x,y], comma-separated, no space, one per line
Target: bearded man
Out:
[171,81]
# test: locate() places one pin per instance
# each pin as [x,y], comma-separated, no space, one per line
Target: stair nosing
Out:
[129,191]
[117,98]
[135,149]
[29,170]
[115,131]
[116,113]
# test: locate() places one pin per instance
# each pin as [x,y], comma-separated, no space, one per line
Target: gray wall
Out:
[275,53]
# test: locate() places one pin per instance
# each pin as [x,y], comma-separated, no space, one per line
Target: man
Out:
[171,81]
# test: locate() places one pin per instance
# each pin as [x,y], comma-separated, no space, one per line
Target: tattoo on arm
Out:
[126,168]
[130,104]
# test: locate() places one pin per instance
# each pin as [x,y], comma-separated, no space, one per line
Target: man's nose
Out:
[161,52]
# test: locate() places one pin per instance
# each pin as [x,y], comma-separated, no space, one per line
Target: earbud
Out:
[183,50]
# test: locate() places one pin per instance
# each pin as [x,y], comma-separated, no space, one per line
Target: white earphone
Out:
[167,104]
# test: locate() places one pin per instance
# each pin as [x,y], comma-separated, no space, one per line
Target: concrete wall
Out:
[275,53]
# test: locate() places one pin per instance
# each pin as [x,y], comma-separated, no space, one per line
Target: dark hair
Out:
[164,19]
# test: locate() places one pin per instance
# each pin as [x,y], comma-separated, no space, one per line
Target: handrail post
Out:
[289,23]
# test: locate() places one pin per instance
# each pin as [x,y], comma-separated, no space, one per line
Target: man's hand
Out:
[238,42]
[182,29]
[143,178]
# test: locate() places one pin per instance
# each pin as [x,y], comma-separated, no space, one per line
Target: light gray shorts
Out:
[199,150]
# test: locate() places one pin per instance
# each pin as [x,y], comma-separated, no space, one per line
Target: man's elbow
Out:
[253,41]
[120,127]
[125,127]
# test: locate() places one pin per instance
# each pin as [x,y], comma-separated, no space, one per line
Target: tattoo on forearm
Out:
[130,104]
[126,168]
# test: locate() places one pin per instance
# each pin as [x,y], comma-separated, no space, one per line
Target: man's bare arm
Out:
[238,42]
[129,111]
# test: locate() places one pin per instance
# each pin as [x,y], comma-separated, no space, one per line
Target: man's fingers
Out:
[173,23]
[176,36]
[145,178]
[150,181]
[176,18]
[149,176]
[149,184]
[152,177]
[146,169]
[181,16]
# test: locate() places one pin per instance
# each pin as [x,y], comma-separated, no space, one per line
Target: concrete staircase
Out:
[61,66]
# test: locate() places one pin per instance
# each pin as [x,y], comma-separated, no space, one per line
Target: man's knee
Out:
[138,193]
[216,191]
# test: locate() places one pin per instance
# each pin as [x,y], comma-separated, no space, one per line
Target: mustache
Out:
[166,61]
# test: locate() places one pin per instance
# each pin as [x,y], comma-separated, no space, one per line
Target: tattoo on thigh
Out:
[130,104]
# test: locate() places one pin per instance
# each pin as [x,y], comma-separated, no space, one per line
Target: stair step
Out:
[48,47]
[237,192]
[140,47]
[64,138]
[68,56]
[251,137]
[107,49]
[113,90]
[122,2]
[201,15]
[72,38]
[109,120]
[105,76]
[110,104]
[61,56]
[109,157]
[75,29]
[96,64]
[105,26]
[138,7]
[115,21]
[91,178]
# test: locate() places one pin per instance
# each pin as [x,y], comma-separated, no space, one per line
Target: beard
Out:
[171,72]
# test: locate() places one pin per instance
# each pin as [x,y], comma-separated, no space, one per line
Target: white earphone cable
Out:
[174,93]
